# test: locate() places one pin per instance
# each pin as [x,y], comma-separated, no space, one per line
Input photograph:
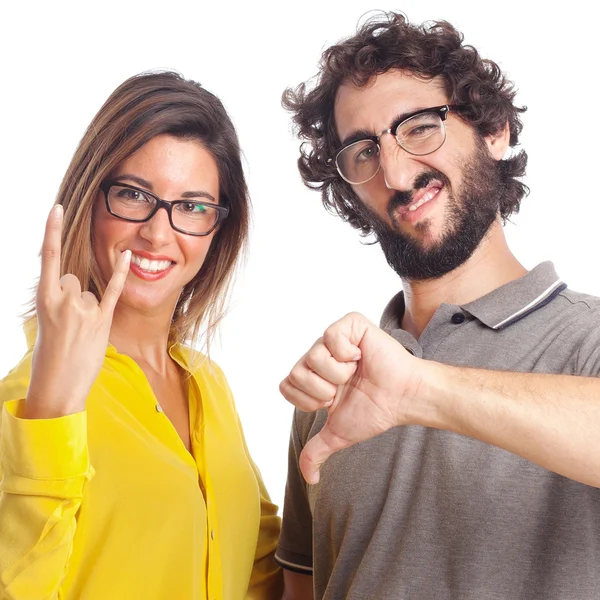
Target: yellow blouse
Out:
[108,504]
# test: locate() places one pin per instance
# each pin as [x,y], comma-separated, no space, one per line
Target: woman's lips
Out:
[149,275]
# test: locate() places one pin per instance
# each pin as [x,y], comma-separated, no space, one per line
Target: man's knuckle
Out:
[294,377]
[314,356]
[330,335]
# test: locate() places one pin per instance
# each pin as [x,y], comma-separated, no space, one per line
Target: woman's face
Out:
[163,260]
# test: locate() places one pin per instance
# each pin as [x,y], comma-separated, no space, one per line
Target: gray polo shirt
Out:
[419,513]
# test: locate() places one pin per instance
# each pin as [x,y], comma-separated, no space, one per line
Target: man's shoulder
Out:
[580,300]
[576,312]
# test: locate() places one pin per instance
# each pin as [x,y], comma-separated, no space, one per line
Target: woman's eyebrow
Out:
[198,194]
[147,185]
[141,182]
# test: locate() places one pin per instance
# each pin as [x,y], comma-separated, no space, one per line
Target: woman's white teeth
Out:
[426,198]
[150,265]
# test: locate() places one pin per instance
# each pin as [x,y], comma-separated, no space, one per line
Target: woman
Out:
[124,471]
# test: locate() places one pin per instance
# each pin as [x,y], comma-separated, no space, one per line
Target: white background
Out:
[60,60]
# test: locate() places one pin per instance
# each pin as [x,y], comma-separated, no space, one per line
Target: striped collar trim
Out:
[517,299]
[503,306]
[546,296]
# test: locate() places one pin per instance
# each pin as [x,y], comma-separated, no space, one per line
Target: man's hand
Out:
[369,384]
[363,376]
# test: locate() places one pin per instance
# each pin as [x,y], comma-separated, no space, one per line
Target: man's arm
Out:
[297,586]
[370,384]
[551,420]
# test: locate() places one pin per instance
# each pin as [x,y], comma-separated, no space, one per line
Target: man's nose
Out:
[398,166]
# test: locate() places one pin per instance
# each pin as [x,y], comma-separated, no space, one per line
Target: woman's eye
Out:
[192,208]
[130,194]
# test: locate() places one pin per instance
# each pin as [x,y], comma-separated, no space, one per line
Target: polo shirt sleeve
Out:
[587,355]
[294,551]
[44,467]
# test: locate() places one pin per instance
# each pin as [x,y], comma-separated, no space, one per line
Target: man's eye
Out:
[365,155]
[421,130]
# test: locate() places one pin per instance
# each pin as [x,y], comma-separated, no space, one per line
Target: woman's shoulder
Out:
[212,386]
[203,368]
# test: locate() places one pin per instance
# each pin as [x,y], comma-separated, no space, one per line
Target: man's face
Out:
[428,212]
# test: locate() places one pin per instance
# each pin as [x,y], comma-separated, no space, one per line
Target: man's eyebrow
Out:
[356,136]
[147,185]
[364,134]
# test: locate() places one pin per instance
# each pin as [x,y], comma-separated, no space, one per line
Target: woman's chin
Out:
[147,302]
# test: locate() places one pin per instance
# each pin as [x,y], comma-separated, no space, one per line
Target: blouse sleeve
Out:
[44,467]
[266,581]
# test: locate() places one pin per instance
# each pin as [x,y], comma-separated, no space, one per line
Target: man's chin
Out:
[425,235]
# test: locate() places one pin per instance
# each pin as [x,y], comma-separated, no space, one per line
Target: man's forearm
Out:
[551,420]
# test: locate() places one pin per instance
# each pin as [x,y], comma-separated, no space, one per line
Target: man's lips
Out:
[420,198]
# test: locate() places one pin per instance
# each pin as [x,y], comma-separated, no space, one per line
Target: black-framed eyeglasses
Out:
[133,204]
[419,133]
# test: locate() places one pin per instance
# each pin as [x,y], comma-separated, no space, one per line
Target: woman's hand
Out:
[73,330]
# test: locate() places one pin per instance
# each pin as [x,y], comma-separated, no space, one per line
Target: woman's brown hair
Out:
[141,108]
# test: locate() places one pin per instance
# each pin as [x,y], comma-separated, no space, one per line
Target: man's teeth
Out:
[150,265]
[426,198]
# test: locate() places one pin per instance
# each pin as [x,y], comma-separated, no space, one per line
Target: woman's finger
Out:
[50,273]
[116,284]
[69,283]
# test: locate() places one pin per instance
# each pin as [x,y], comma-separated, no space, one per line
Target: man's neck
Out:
[491,266]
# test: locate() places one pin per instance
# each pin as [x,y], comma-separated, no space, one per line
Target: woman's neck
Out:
[142,336]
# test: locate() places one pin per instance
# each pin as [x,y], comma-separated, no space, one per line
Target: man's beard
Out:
[468,218]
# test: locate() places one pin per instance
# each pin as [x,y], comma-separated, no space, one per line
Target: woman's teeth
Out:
[150,265]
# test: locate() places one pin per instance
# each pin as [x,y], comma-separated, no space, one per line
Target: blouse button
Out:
[159,408]
[458,318]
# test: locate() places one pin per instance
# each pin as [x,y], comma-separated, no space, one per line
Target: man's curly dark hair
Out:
[432,49]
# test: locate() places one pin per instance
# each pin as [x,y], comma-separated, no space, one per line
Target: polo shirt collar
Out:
[503,306]
[517,299]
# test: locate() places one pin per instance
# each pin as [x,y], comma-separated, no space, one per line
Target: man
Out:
[484,481]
